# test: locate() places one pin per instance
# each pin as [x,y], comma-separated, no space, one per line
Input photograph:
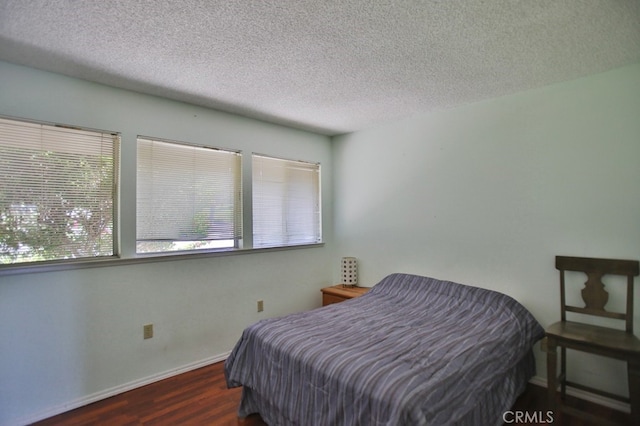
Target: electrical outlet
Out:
[148,331]
[260,305]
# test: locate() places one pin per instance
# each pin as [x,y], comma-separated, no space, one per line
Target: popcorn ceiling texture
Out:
[326,66]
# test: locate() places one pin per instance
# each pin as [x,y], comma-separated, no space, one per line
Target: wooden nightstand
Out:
[339,293]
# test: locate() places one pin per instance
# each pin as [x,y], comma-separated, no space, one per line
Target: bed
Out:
[412,351]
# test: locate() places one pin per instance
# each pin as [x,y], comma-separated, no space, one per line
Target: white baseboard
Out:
[107,393]
[596,399]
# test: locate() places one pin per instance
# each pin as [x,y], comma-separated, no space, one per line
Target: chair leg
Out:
[563,372]
[552,374]
[633,372]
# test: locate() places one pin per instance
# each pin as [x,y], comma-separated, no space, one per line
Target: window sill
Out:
[55,266]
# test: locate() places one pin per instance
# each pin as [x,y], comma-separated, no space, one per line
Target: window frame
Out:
[288,238]
[237,207]
[127,257]
[115,146]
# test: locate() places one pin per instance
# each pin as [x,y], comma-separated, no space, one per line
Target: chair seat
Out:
[593,336]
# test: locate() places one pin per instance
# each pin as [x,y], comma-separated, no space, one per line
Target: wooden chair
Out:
[604,341]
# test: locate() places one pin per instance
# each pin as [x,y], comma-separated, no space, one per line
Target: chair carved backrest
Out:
[594,295]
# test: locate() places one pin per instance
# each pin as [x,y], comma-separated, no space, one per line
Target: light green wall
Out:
[67,337]
[488,193]
[484,194]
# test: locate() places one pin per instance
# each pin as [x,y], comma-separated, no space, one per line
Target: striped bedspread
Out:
[412,351]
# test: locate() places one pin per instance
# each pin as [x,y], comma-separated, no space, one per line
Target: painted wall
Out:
[484,194]
[488,193]
[69,337]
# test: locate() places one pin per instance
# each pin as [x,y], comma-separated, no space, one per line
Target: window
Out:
[188,197]
[57,192]
[286,202]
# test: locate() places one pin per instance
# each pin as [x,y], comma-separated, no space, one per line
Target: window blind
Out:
[188,197]
[286,202]
[57,192]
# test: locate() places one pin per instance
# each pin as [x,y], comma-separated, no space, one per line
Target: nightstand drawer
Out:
[328,299]
[339,293]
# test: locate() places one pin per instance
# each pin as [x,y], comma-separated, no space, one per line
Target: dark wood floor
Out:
[201,397]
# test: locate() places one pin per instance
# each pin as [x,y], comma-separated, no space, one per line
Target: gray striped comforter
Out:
[412,351]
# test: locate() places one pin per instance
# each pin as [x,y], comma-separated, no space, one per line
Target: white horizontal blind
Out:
[188,197]
[57,191]
[286,202]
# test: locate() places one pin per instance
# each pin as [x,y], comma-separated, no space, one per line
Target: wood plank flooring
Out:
[198,397]
[201,397]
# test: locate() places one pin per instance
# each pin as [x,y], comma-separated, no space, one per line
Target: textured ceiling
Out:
[327,66]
